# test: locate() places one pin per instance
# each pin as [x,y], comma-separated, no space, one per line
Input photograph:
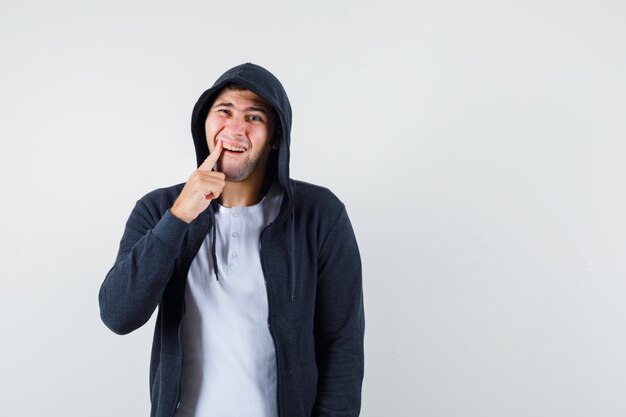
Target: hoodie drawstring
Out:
[213,241]
[291,248]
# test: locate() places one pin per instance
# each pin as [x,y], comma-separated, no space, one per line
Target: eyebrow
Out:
[250,108]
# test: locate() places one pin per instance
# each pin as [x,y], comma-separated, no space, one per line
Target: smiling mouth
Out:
[233,148]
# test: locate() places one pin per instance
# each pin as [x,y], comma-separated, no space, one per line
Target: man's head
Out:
[245,125]
[270,93]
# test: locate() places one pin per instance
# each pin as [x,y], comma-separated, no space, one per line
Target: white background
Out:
[479,148]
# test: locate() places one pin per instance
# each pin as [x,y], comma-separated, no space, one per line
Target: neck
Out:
[245,193]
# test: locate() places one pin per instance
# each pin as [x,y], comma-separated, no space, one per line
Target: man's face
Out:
[244,125]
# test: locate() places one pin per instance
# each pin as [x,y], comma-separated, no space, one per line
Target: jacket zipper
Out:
[269,315]
[180,327]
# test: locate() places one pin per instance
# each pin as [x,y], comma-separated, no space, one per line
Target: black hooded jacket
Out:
[311,265]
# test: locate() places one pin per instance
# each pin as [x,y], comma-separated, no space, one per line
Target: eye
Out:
[223,112]
[255,118]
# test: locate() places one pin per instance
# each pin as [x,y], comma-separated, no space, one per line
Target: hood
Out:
[265,85]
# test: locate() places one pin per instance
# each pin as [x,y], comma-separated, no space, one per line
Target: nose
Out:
[236,127]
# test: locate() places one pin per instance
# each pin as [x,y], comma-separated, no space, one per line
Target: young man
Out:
[256,276]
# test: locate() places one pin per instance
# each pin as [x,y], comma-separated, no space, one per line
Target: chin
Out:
[236,175]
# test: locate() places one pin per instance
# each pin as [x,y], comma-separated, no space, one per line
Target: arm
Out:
[133,287]
[340,325]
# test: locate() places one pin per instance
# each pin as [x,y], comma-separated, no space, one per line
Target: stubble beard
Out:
[241,172]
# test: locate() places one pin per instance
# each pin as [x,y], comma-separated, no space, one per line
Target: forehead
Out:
[240,99]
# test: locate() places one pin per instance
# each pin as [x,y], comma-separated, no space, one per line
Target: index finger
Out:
[210,161]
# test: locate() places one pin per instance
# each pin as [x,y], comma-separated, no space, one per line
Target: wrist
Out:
[180,216]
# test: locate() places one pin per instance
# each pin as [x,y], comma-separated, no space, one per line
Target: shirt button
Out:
[235,234]
[235,214]
[233,256]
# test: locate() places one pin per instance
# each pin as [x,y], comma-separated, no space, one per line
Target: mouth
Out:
[233,148]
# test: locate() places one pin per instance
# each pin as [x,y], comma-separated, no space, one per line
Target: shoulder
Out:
[320,211]
[158,201]
[307,193]
[163,193]
[310,195]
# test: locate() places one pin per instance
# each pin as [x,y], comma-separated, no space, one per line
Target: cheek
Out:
[211,129]
[262,137]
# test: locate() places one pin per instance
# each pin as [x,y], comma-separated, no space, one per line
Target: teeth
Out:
[232,147]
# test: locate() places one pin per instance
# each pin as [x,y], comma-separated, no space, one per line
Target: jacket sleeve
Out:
[340,325]
[133,287]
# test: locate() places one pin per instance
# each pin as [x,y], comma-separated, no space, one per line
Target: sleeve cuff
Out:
[170,229]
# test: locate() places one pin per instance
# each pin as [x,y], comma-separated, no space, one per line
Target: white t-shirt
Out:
[229,361]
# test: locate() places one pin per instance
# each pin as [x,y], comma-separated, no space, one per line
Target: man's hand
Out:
[203,186]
